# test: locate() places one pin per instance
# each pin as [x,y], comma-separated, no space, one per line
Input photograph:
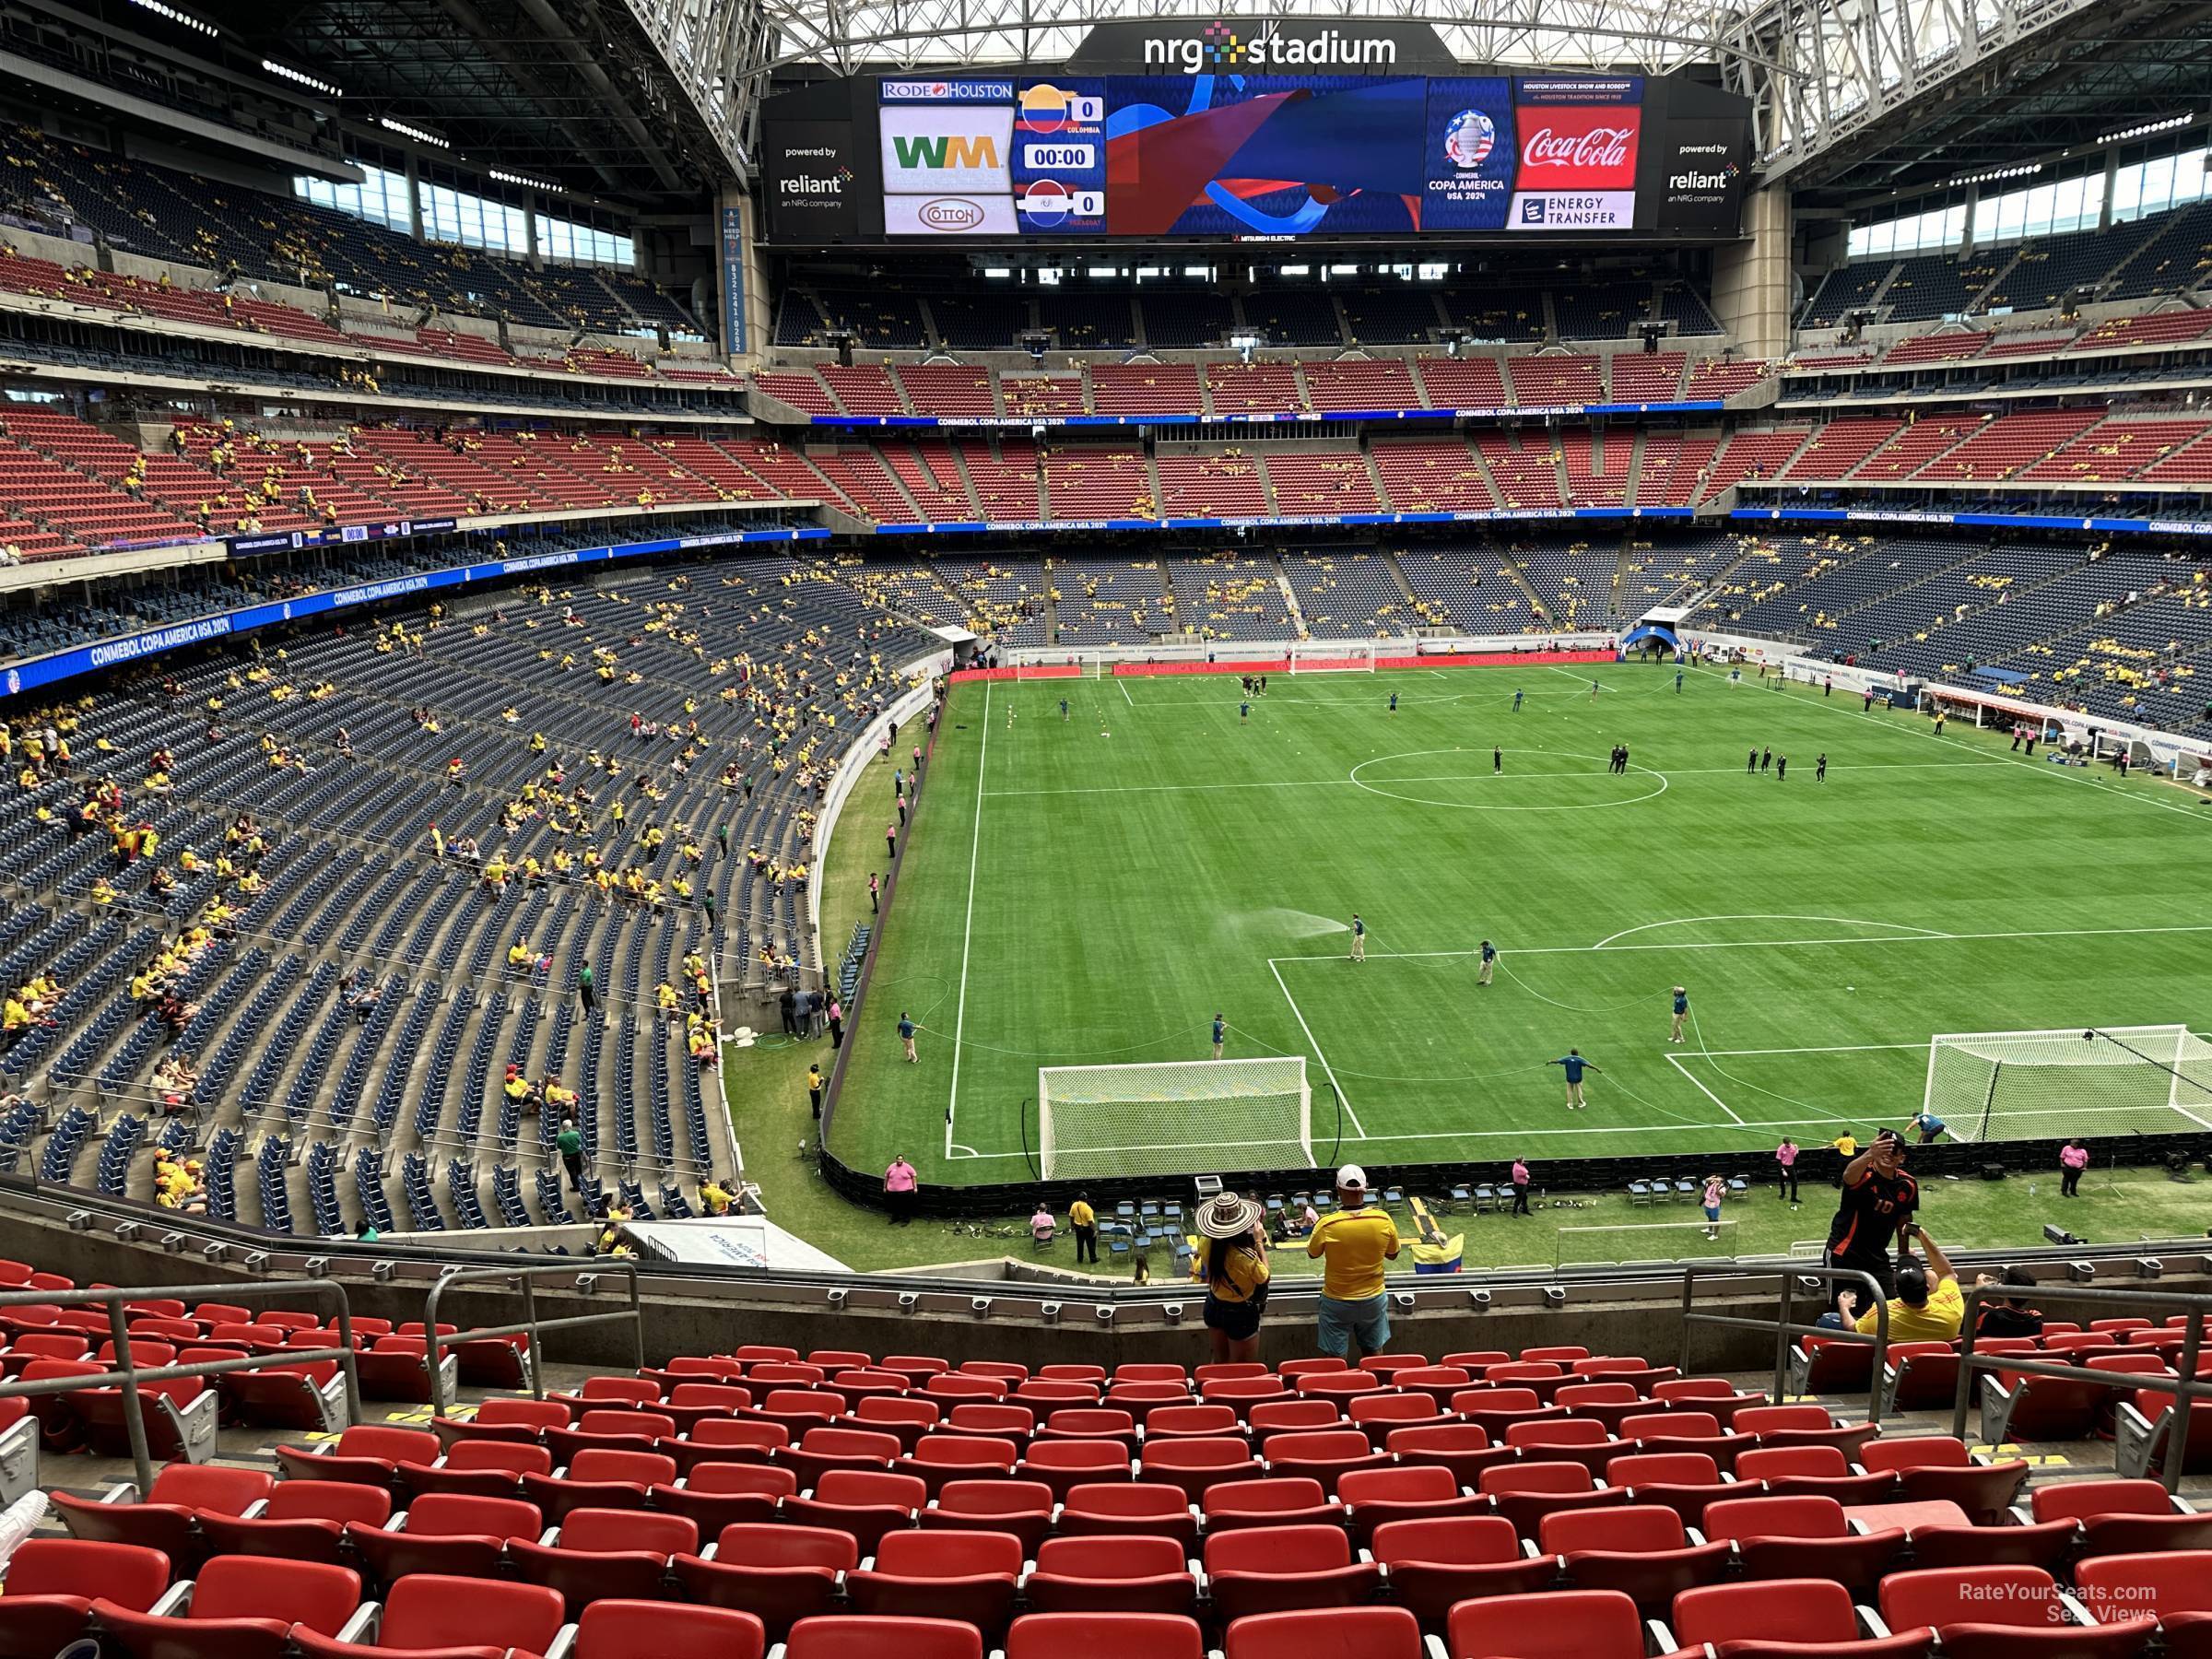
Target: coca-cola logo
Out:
[1600,147]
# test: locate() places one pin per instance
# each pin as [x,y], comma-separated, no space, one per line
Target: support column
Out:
[741,276]
[1751,279]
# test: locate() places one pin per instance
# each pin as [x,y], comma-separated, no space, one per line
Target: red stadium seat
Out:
[1802,1424]
[1642,1551]
[1192,1422]
[1324,1454]
[1021,1507]
[53,1583]
[2173,1586]
[428,1614]
[1139,1509]
[864,1504]
[1055,1635]
[241,1608]
[779,1574]
[1563,1624]
[848,1637]
[618,1555]
[1281,1569]
[1434,1565]
[1930,1467]
[1524,1493]
[1421,1492]
[447,1533]
[968,1576]
[716,1495]
[2122,1517]
[1063,1464]
[1462,1448]
[623,1629]
[1747,1621]
[2003,1613]
[1112,1575]
[1684,1481]
[1813,1471]
[1352,1633]
[301,1520]
[1802,1538]
[1288,1501]
[167,1521]
[939,1458]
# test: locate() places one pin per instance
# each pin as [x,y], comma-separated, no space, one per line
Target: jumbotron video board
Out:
[1242,144]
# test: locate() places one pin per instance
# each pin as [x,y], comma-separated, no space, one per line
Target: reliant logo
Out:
[815,184]
[936,151]
[1600,147]
[1219,47]
[1700,180]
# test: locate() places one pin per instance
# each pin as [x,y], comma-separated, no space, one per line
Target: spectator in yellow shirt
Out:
[1083,1222]
[1928,1307]
[1353,1241]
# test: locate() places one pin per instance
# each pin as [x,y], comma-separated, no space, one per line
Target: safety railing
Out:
[2185,1384]
[131,1378]
[1784,1327]
[530,1326]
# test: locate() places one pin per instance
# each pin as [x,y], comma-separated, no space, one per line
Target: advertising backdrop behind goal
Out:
[2049,1085]
[1184,1117]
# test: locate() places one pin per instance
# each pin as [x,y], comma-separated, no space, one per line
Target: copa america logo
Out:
[1600,147]
[1470,139]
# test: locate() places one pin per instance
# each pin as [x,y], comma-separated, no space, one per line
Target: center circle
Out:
[1500,779]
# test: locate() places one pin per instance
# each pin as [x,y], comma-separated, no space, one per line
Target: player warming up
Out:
[1681,1012]
[1394,703]
[1517,702]
[1063,710]
[1575,1065]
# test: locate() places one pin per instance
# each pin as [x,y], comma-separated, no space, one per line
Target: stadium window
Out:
[1433,272]
[1202,272]
[997,273]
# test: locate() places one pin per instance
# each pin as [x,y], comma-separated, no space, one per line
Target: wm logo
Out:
[939,150]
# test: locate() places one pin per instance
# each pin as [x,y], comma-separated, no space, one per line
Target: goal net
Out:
[1998,1085]
[1642,1243]
[1186,1117]
[1332,659]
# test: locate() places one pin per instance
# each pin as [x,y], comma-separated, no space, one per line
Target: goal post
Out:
[1332,659]
[1996,1086]
[1178,1117]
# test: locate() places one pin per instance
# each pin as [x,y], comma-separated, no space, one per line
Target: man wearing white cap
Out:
[1353,1241]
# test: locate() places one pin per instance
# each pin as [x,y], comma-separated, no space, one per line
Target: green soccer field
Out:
[1092,890]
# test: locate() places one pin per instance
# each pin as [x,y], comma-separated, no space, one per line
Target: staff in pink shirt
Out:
[2073,1158]
[1785,1156]
[900,1185]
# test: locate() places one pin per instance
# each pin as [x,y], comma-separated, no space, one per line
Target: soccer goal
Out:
[1332,659]
[1181,1117]
[1642,1243]
[1999,1085]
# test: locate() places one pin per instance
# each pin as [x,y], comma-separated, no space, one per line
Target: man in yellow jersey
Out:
[1353,1241]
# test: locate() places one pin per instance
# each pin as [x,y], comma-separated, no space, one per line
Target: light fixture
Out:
[415,133]
[299,77]
[2025,169]
[527,183]
[2149,127]
[174,15]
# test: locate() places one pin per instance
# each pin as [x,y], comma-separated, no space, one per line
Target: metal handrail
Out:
[1784,1328]
[129,1377]
[2185,1385]
[531,1325]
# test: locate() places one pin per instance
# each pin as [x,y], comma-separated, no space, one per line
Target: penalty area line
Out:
[1298,1014]
[1700,1087]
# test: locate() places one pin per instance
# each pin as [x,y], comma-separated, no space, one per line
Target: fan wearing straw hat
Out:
[1236,1275]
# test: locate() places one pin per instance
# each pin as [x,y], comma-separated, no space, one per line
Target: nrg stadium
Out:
[928,828]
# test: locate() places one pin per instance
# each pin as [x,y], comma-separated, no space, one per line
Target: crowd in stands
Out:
[142,208]
[187,841]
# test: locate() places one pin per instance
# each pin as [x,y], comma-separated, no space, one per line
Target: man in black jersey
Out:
[1874,1208]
